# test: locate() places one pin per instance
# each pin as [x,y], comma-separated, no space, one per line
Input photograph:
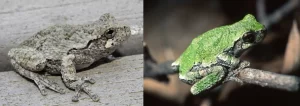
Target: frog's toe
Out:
[236,80]
[88,79]
[61,91]
[56,88]
[89,92]
[41,87]
[75,98]
[92,81]
[95,98]
[244,64]
[43,82]
[43,92]
[81,85]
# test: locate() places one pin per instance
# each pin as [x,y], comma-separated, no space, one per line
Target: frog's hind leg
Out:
[26,60]
[214,76]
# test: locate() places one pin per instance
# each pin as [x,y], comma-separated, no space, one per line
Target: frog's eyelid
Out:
[109,33]
[249,36]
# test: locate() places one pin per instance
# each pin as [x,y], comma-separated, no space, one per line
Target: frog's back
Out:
[212,43]
[59,39]
[204,48]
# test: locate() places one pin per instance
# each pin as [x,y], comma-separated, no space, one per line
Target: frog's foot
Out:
[232,74]
[236,80]
[82,86]
[243,64]
[42,82]
[235,69]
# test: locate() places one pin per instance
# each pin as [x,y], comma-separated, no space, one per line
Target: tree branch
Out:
[253,76]
[269,79]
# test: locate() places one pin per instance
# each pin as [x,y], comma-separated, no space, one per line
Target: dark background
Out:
[170,25]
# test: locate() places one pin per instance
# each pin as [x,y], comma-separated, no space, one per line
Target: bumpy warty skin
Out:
[88,40]
[63,49]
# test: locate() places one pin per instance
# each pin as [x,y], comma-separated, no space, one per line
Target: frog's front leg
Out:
[232,62]
[26,61]
[214,75]
[234,65]
[72,81]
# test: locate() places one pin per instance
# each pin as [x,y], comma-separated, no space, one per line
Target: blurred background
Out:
[170,26]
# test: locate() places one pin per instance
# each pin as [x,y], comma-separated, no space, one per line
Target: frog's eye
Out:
[109,34]
[249,37]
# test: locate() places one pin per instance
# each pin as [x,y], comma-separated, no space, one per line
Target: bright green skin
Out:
[205,49]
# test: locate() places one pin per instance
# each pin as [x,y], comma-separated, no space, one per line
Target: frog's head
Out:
[251,33]
[113,32]
[116,35]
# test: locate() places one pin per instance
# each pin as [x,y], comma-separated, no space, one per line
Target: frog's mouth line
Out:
[86,47]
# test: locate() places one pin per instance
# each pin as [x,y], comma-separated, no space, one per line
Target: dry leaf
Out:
[292,53]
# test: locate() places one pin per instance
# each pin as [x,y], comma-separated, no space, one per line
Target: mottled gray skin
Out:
[63,49]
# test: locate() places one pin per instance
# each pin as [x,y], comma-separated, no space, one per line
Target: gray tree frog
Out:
[209,57]
[63,49]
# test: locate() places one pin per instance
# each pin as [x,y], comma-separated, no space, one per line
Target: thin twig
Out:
[277,15]
[261,12]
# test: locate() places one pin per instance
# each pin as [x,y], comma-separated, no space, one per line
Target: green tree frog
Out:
[211,56]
